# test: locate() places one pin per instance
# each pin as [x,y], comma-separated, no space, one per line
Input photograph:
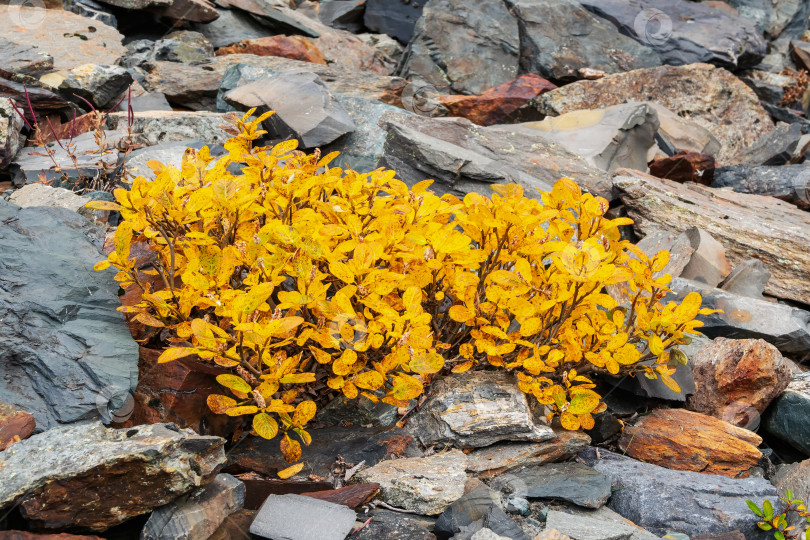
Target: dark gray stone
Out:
[396,18]
[559,37]
[463,50]
[232,25]
[783,114]
[788,417]
[662,500]
[477,409]
[295,517]
[683,32]
[343,14]
[67,353]
[100,85]
[91,10]
[388,525]
[361,412]
[786,327]
[478,506]
[305,109]
[571,482]
[88,476]
[18,58]
[197,515]
[778,18]
[605,426]
[790,183]
[277,16]
[777,147]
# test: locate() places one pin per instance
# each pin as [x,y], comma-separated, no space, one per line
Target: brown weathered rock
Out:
[501,457]
[69,38]
[352,496]
[708,263]
[92,477]
[293,47]
[748,226]
[685,167]
[734,375]
[344,50]
[688,441]
[23,59]
[235,526]
[708,96]
[25,535]
[43,101]
[15,425]
[500,105]
[199,11]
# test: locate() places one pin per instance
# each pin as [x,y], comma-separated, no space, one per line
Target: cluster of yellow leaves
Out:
[295,276]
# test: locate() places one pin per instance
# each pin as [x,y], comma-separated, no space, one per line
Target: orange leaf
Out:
[290,471]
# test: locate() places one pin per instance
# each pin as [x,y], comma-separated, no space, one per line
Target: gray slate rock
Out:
[393,17]
[478,506]
[683,32]
[67,353]
[559,37]
[477,409]
[388,525]
[463,50]
[295,517]
[788,417]
[343,14]
[784,326]
[778,18]
[197,515]
[93,477]
[155,127]
[91,10]
[571,482]
[305,109]
[790,183]
[585,528]
[44,195]
[100,85]
[231,26]
[11,139]
[183,46]
[777,147]
[662,500]
[622,136]
[23,59]
[747,279]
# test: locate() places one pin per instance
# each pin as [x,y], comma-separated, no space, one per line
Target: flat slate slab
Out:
[295,517]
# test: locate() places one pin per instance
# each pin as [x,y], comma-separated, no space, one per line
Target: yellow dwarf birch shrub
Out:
[300,278]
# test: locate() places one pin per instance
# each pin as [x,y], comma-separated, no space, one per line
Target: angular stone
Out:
[800,52]
[746,225]
[294,517]
[69,38]
[586,528]
[478,504]
[551,534]
[343,14]
[790,183]
[726,106]
[777,147]
[504,104]
[156,127]
[571,482]
[25,535]
[425,485]
[559,37]
[662,500]
[137,4]
[393,17]
[15,425]
[304,108]
[502,457]
[182,46]
[678,245]
[609,139]
[688,441]
[100,85]
[231,26]
[747,279]
[188,11]
[91,10]
[611,521]
[43,101]
[344,50]
[235,526]
[464,158]
[606,426]
[11,124]
[788,418]
[779,19]
[43,195]
[278,16]
[796,478]
[684,32]
[782,325]
[734,376]
[197,515]
[20,59]
[676,134]
[708,263]
[351,496]
[93,477]
[685,166]
[475,410]
[66,349]
[462,50]
[388,525]
[292,47]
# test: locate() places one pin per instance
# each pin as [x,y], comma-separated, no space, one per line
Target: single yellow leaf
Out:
[219,404]
[290,471]
[239,411]
[265,425]
[290,449]
[174,353]
[234,382]
[304,412]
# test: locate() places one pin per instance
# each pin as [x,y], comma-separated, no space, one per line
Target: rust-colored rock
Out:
[15,425]
[352,496]
[685,167]
[689,441]
[294,47]
[733,376]
[25,535]
[498,105]
[74,127]
[177,392]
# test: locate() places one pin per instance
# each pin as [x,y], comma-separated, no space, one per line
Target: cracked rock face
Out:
[94,477]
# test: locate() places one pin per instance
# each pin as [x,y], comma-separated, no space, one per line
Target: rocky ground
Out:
[690,117]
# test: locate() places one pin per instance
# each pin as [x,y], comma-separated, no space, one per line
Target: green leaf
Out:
[767,510]
[764,526]
[788,494]
[778,535]
[754,508]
